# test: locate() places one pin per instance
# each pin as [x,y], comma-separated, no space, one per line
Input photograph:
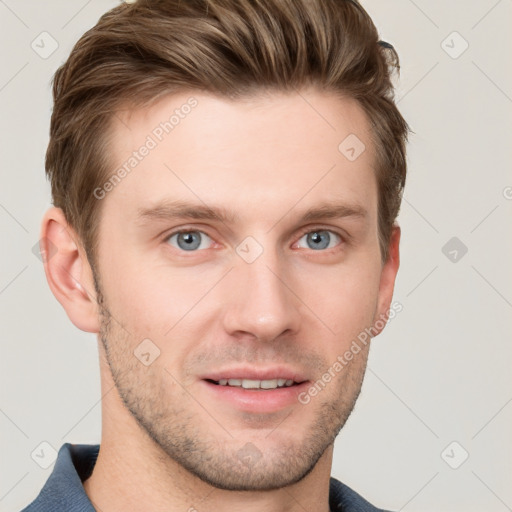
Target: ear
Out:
[387,282]
[68,271]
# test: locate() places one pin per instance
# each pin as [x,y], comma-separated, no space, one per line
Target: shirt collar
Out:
[64,490]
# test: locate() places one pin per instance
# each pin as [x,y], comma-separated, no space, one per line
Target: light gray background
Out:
[440,372]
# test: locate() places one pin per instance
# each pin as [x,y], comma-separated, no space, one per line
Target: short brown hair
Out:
[138,52]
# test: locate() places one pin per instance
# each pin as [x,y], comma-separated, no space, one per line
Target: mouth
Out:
[264,395]
[260,385]
[255,390]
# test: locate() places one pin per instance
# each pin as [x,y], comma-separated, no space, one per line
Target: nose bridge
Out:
[261,304]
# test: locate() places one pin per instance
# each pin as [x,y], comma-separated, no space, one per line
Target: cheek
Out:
[344,299]
[158,301]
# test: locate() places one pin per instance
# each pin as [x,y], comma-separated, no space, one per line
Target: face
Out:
[238,259]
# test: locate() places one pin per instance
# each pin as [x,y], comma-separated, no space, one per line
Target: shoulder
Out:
[64,490]
[343,498]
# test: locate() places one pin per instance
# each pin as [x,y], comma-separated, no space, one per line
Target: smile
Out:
[255,384]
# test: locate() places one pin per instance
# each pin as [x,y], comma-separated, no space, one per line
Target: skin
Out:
[170,442]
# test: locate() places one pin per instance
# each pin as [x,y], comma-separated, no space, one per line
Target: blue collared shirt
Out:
[64,492]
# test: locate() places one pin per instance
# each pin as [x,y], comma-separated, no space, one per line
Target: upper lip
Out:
[252,373]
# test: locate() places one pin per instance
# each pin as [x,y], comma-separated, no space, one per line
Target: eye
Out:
[319,239]
[189,240]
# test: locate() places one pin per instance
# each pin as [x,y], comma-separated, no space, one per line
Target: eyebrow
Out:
[168,210]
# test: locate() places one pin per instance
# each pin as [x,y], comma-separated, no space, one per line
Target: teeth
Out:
[268,384]
[256,384]
[251,384]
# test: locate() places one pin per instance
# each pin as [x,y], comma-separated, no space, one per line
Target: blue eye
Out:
[193,240]
[188,240]
[321,239]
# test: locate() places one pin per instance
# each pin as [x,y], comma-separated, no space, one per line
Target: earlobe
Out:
[387,282]
[68,272]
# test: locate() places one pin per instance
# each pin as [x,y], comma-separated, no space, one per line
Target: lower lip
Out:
[256,400]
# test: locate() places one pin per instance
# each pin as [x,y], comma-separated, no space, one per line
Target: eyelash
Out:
[343,238]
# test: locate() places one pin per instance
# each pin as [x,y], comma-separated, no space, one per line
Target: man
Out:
[226,176]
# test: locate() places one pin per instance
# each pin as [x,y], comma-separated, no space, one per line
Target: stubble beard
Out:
[186,438]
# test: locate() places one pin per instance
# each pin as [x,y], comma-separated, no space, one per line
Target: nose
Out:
[260,302]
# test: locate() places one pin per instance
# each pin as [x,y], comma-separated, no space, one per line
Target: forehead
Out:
[262,154]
